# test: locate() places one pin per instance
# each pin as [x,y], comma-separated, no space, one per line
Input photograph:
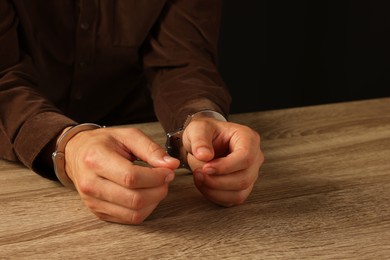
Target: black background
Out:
[278,54]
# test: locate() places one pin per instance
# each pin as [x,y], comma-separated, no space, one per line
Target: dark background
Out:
[278,54]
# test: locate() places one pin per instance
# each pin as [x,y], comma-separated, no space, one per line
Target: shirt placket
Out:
[84,48]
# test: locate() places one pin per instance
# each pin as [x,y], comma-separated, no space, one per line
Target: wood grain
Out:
[323,193]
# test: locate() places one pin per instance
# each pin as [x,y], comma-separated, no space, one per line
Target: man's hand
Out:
[225,159]
[100,164]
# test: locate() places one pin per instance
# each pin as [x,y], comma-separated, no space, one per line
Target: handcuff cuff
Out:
[174,142]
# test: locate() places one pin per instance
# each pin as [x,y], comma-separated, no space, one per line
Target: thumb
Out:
[199,141]
[144,148]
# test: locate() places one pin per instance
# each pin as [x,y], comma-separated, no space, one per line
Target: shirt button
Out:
[84,26]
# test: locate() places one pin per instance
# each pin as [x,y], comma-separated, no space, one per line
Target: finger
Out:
[113,193]
[245,153]
[136,177]
[118,214]
[193,163]
[198,138]
[112,166]
[225,198]
[236,181]
[145,149]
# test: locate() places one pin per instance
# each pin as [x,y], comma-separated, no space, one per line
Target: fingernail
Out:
[169,178]
[209,170]
[168,158]
[203,150]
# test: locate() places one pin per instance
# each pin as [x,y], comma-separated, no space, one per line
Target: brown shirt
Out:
[102,61]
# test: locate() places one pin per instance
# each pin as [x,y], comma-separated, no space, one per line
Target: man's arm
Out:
[180,56]
[224,157]
[28,122]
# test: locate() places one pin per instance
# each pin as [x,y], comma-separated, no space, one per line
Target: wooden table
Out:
[324,193]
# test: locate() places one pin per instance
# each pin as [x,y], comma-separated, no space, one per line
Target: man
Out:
[67,66]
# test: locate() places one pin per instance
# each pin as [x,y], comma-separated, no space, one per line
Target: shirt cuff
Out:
[36,133]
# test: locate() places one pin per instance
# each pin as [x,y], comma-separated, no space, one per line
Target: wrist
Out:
[58,155]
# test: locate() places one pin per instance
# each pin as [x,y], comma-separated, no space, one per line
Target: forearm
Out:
[28,121]
[181,60]
[29,126]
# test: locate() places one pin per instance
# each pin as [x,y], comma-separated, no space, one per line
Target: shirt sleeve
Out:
[180,58]
[28,122]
